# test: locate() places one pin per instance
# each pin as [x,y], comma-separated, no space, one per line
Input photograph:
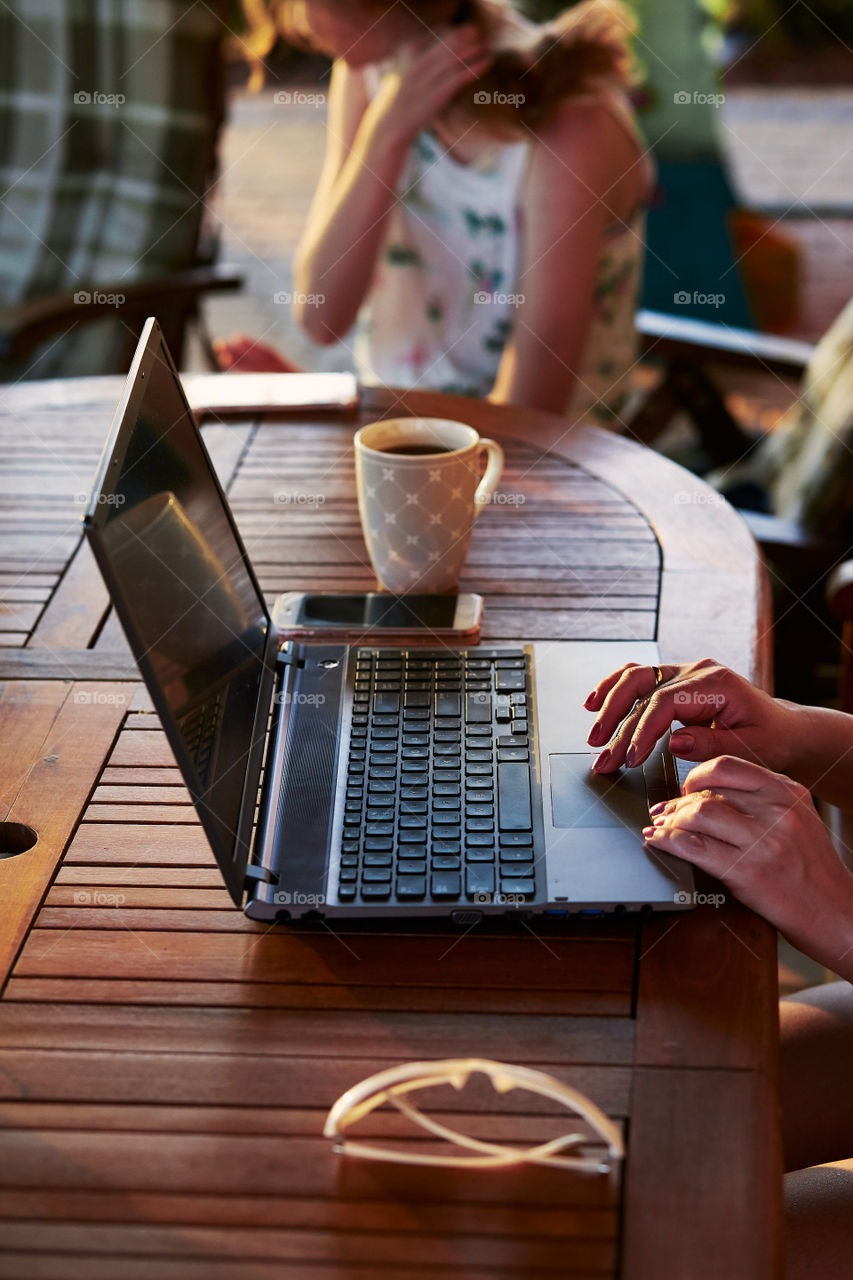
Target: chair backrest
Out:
[806,464]
[108,128]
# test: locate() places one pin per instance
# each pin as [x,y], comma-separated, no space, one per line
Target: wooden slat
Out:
[50,801]
[393,1035]
[260,995]
[323,957]
[208,1079]
[76,608]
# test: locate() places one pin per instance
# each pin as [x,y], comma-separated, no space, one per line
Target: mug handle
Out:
[492,474]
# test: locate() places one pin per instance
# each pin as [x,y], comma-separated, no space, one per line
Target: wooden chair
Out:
[109,126]
[800,475]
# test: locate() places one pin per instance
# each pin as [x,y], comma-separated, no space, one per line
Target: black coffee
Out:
[416,450]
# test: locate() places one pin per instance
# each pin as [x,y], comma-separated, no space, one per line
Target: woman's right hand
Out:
[723,713]
[427,75]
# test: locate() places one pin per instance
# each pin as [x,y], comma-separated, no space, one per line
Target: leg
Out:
[817,1050]
[819,1222]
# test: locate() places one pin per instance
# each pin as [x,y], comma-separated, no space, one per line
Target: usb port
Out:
[591,911]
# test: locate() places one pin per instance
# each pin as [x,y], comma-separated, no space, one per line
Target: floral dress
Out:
[446,293]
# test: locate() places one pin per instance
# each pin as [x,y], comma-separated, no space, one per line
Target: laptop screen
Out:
[182,587]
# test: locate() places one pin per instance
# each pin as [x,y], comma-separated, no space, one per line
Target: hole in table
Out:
[15,838]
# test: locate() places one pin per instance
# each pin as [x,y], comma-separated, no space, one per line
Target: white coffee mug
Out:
[419,493]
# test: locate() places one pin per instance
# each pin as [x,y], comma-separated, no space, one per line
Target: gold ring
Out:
[658,676]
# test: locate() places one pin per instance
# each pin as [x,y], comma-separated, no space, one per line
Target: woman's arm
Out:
[368,140]
[584,173]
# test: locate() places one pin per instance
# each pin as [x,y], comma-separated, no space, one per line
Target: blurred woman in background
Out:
[479,215]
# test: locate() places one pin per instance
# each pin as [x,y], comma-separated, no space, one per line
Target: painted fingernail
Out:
[590,700]
[659,819]
[602,761]
[631,756]
[681,740]
[657,808]
[595,735]
[648,832]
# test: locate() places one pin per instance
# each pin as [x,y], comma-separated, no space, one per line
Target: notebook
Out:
[361,781]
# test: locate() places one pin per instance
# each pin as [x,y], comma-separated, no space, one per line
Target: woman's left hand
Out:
[760,834]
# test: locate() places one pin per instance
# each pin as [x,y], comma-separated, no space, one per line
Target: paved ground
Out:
[783,145]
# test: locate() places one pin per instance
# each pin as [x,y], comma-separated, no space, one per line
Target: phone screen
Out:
[376,609]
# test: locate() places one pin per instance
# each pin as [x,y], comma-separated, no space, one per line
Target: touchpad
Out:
[581,798]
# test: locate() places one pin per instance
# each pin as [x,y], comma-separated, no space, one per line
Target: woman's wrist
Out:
[819,750]
[825,928]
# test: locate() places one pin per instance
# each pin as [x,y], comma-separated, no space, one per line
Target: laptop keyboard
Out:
[438,798]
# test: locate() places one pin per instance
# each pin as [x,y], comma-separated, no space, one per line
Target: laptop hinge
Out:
[256,872]
[289,655]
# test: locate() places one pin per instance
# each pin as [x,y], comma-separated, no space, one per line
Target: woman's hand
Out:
[760,834]
[427,75]
[726,715]
[242,354]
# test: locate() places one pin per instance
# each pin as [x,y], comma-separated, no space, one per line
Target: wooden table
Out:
[167,1064]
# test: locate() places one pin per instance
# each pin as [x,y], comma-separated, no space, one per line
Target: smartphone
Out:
[379,617]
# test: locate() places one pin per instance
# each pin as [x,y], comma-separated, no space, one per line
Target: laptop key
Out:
[446,846]
[348,874]
[475,756]
[448,704]
[514,797]
[378,844]
[479,839]
[516,839]
[376,890]
[447,789]
[518,885]
[443,862]
[478,708]
[445,884]
[513,753]
[509,681]
[411,886]
[415,835]
[478,824]
[450,803]
[516,855]
[375,875]
[346,892]
[480,811]
[479,855]
[480,879]
[408,851]
[412,822]
[386,703]
[381,771]
[413,867]
[379,829]
[349,859]
[413,793]
[377,859]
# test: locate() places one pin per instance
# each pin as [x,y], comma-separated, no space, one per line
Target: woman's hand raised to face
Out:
[760,833]
[723,712]
[427,75]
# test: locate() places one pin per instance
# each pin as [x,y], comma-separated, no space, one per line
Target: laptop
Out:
[365,781]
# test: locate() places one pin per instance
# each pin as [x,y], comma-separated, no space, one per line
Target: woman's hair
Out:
[535,67]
